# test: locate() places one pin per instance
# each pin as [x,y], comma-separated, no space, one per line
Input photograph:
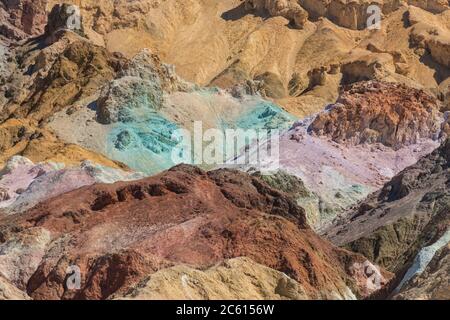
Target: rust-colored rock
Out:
[376,112]
[22,18]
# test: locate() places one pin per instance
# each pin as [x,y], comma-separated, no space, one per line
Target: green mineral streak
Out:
[144,146]
[143,138]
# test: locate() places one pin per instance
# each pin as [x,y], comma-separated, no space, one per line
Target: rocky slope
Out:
[58,75]
[62,74]
[24,184]
[228,42]
[431,283]
[41,78]
[404,225]
[234,279]
[136,115]
[118,234]
[10,292]
[22,19]
[20,137]
[88,96]
[353,147]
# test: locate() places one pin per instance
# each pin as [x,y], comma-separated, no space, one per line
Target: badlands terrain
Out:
[93,204]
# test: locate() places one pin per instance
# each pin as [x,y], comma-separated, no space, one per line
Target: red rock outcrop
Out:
[118,234]
[20,19]
[377,112]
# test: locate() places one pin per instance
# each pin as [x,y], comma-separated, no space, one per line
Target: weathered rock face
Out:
[56,70]
[288,9]
[353,14]
[374,112]
[402,226]
[4,194]
[112,15]
[187,216]
[432,283]
[38,79]
[445,95]
[296,188]
[19,137]
[237,47]
[348,14]
[436,6]
[20,19]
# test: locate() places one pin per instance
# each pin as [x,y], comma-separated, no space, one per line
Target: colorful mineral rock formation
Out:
[352,148]
[405,224]
[131,230]
[92,93]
